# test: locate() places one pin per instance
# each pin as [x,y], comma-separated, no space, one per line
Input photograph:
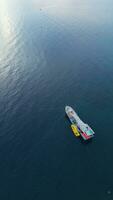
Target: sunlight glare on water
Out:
[52,54]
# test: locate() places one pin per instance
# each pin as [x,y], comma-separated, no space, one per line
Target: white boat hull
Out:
[85,131]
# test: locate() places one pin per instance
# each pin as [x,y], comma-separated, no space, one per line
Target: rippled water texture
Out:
[52,54]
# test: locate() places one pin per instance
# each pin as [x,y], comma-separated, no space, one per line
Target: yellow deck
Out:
[75,130]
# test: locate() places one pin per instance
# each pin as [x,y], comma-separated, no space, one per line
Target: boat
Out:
[84,129]
[75,130]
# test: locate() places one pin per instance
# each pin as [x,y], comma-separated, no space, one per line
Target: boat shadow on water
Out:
[67,118]
[84,142]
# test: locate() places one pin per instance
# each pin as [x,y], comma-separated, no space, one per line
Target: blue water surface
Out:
[52,54]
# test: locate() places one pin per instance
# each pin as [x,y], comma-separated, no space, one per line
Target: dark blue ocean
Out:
[52,54]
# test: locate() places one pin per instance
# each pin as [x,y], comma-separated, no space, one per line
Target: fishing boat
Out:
[84,129]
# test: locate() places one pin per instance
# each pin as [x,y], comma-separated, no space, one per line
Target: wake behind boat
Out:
[85,131]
